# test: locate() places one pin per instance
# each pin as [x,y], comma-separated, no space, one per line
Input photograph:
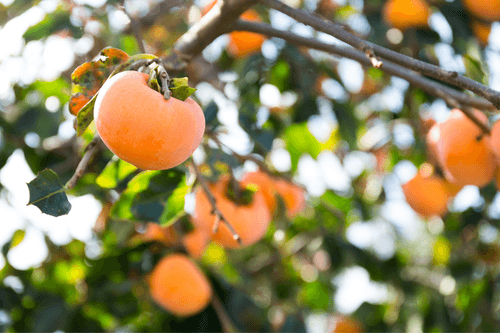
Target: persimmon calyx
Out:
[160,81]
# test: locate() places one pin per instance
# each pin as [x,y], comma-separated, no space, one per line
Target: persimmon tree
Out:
[344,143]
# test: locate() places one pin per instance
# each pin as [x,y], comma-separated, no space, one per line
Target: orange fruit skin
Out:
[155,232]
[242,43]
[179,286]
[464,159]
[344,324]
[265,184]
[292,195]
[196,242]
[249,221]
[427,194]
[497,179]
[404,14]
[495,139]
[144,129]
[481,31]
[483,9]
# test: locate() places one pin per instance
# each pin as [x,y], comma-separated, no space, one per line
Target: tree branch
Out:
[219,217]
[213,24]
[90,151]
[336,31]
[428,85]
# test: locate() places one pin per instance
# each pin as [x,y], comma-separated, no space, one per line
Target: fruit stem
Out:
[165,81]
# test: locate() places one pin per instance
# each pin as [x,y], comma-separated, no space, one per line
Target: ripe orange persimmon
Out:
[292,195]
[462,151]
[404,14]
[242,43]
[179,286]
[144,129]
[426,193]
[483,9]
[250,221]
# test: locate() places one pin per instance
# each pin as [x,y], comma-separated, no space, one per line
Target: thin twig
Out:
[428,85]
[227,325]
[136,29]
[336,31]
[91,149]
[219,217]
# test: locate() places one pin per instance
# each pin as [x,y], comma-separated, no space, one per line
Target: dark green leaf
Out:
[210,112]
[48,194]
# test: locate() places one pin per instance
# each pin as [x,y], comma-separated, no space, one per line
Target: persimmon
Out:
[242,43]
[250,220]
[179,286]
[495,140]
[463,152]
[404,14]
[343,324]
[481,31]
[426,193]
[483,9]
[141,127]
[265,184]
[292,195]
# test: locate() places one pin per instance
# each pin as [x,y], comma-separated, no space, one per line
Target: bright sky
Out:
[47,59]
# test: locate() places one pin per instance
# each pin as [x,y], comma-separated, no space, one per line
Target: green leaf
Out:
[174,207]
[115,171]
[147,194]
[299,141]
[180,89]
[48,194]
[85,116]
[17,238]
[474,69]
[53,22]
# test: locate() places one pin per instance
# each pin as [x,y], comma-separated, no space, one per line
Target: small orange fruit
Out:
[404,14]
[426,193]
[292,195]
[463,152]
[179,286]
[144,129]
[483,9]
[242,43]
[343,324]
[250,221]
